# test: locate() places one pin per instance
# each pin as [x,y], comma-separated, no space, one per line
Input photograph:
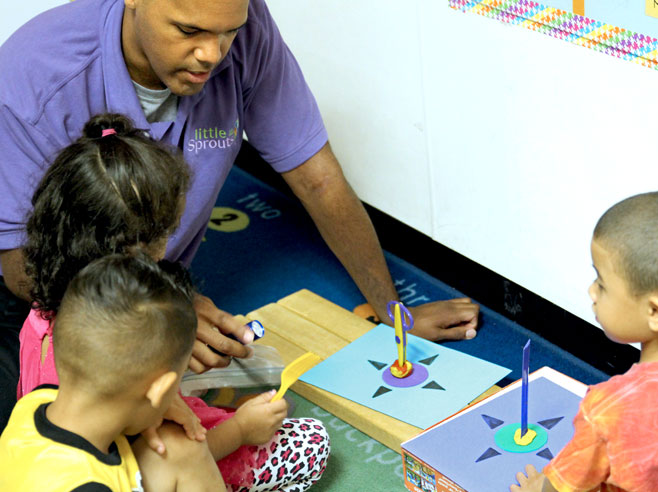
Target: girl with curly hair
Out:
[115,190]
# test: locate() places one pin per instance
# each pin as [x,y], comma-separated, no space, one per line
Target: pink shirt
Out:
[34,373]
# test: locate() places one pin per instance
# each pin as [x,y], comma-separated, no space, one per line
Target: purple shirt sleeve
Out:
[24,152]
[281,116]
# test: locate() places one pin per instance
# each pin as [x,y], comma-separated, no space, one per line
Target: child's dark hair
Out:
[629,229]
[123,318]
[102,195]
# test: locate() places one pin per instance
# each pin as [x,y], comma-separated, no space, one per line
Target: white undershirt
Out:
[158,104]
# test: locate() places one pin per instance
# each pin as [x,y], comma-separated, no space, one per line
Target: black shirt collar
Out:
[50,431]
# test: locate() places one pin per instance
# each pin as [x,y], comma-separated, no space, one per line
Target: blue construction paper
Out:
[350,374]
[453,448]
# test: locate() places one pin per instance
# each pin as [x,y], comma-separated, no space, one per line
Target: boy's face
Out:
[623,317]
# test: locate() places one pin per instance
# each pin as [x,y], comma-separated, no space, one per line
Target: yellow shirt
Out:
[36,455]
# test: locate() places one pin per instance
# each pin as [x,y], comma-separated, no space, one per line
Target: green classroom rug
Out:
[357,462]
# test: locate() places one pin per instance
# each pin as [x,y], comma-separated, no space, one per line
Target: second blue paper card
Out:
[443,380]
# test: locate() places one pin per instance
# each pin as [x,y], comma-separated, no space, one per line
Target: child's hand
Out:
[182,414]
[534,482]
[259,418]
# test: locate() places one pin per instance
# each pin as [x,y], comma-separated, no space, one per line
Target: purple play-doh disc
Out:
[418,375]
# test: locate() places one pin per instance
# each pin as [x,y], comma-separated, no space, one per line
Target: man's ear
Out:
[160,387]
[130,4]
[653,312]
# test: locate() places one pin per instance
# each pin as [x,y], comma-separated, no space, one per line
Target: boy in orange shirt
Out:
[615,442]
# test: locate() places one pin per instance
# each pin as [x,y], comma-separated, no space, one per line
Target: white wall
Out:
[504,144]
[14,14]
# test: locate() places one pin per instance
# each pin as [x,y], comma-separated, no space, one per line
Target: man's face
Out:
[177,43]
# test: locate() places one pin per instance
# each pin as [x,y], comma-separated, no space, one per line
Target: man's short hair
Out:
[629,230]
[123,318]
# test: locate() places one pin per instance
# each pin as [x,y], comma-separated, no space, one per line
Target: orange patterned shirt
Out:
[615,442]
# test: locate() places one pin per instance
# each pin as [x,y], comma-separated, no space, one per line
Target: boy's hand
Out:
[213,327]
[534,482]
[259,418]
[182,414]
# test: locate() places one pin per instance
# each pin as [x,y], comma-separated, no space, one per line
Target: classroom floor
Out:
[261,246]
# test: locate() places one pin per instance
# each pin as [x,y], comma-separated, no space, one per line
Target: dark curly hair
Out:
[102,195]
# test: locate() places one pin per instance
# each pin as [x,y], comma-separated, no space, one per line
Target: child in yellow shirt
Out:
[122,340]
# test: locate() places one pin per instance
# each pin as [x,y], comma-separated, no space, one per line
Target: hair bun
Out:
[121,124]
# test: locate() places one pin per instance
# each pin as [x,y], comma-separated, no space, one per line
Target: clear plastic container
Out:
[262,370]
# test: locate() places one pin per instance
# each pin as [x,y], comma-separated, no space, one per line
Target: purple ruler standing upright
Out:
[525,369]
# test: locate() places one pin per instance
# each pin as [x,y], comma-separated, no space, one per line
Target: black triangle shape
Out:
[492,422]
[550,423]
[489,453]
[434,386]
[545,453]
[381,391]
[429,360]
[378,365]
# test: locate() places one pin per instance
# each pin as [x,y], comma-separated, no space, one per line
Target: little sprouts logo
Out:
[212,138]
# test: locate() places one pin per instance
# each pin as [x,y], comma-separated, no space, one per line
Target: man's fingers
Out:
[208,313]
[457,333]
[210,335]
[207,358]
[196,366]
[446,314]
[462,313]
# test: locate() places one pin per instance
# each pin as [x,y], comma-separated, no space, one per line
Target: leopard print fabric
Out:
[297,457]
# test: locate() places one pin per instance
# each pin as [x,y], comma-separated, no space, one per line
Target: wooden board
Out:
[305,322]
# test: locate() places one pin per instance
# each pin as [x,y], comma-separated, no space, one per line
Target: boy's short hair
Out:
[630,230]
[123,318]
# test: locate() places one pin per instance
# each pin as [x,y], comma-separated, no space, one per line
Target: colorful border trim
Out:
[568,26]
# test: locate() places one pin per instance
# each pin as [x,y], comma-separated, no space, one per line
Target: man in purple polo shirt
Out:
[196,74]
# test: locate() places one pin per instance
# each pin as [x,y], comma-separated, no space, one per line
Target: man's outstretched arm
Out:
[346,228]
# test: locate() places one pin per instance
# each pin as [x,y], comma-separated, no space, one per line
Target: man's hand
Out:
[455,319]
[346,228]
[534,482]
[214,328]
[12,262]
[183,415]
